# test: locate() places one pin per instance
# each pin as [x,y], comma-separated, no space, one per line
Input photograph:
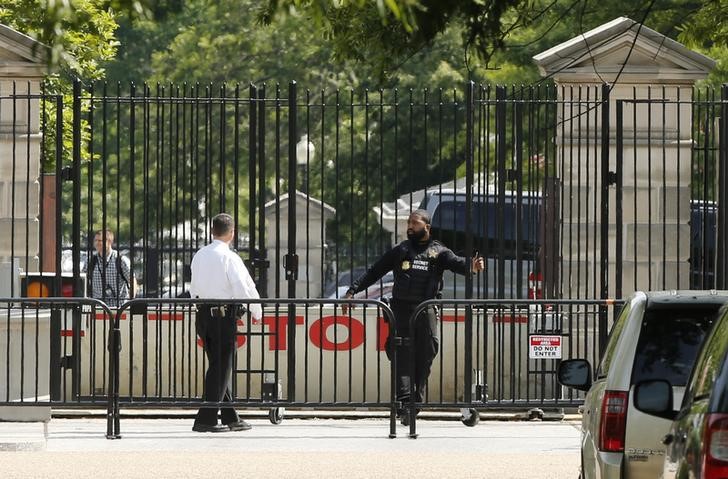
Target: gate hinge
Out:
[67,173]
[290,264]
[611,178]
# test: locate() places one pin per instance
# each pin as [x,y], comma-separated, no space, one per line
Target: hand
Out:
[345,307]
[478,264]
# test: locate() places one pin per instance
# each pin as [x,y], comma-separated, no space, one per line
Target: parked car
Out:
[516,240]
[657,336]
[697,444]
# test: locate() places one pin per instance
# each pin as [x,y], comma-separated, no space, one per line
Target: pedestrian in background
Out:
[418,264]
[108,272]
[219,273]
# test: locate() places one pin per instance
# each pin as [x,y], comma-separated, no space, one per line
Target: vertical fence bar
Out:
[291,258]
[721,272]
[500,126]
[469,174]
[604,220]
[252,167]
[618,202]
[76,204]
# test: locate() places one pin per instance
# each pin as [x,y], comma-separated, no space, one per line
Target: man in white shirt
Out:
[219,273]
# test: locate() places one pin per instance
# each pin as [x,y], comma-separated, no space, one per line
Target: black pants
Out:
[426,346]
[219,337]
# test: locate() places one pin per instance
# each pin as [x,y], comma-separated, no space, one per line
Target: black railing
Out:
[503,354]
[50,347]
[524,176]
[160,361]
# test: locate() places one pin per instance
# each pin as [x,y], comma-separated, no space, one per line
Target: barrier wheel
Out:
[275,415]
[471,418]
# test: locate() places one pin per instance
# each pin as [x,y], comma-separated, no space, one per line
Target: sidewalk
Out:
[296,448]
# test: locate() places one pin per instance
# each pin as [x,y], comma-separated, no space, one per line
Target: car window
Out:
[448,224]
[451,215]
[712,357]
[603,369]
[669,342]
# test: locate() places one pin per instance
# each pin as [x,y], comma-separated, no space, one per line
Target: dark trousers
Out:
[426,344]
[219,337]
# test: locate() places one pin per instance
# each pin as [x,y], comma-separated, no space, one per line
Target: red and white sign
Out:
[544,347]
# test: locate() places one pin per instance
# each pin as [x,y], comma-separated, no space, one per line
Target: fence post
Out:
[262,251]
[604,219]
[55,321]
[469,173]
[76,204]
[500,131]
[252,167]
[618,201]
[291,260]
[721,270]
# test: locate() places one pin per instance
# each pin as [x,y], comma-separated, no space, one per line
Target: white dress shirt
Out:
[219,273]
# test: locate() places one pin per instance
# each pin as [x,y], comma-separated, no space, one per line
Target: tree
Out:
[385,34]
[79,33]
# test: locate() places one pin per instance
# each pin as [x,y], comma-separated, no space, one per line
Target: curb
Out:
[23,436]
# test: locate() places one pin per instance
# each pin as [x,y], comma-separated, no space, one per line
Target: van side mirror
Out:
[654,397]
[575,373]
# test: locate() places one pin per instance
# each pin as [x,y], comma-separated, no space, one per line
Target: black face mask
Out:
[416,236]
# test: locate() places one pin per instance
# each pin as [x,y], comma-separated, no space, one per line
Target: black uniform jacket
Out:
[417,268]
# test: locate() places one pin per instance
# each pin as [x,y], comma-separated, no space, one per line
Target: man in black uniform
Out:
[418,264]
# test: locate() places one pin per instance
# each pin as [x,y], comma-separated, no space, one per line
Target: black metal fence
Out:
[53,352]
[494,354]
[573,193]
[556,187]
[497,354]
[302,353]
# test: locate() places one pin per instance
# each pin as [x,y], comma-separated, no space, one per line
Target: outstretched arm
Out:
[382,266]
[458,264]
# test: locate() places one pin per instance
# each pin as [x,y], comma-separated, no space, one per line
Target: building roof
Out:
[20,55]
[601,53]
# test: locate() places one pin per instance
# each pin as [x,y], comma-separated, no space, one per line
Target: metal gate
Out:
[537,179]
[669,220]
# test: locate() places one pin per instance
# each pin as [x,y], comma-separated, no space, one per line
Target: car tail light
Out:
[715,447]
[535,285]
[67,290]
[613,421]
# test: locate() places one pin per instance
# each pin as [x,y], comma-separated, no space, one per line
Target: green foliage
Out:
[385,34]
[79,33]
[708,26]
[707,31]
[80,37]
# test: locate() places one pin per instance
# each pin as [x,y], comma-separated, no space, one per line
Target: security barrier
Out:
[40,347]
[303,353]
[494,354]
[503,354]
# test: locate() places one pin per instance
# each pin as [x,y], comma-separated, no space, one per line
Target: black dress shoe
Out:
[239,425]
[209,428]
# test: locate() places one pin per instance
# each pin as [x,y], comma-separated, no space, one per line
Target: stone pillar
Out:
[639,64]
[22,68]
[311,239]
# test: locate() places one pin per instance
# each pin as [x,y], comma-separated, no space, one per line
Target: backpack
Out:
[119,269]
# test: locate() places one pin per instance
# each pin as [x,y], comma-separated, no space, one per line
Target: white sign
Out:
[544,347]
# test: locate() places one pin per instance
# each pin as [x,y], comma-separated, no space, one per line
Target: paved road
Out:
[301,448]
